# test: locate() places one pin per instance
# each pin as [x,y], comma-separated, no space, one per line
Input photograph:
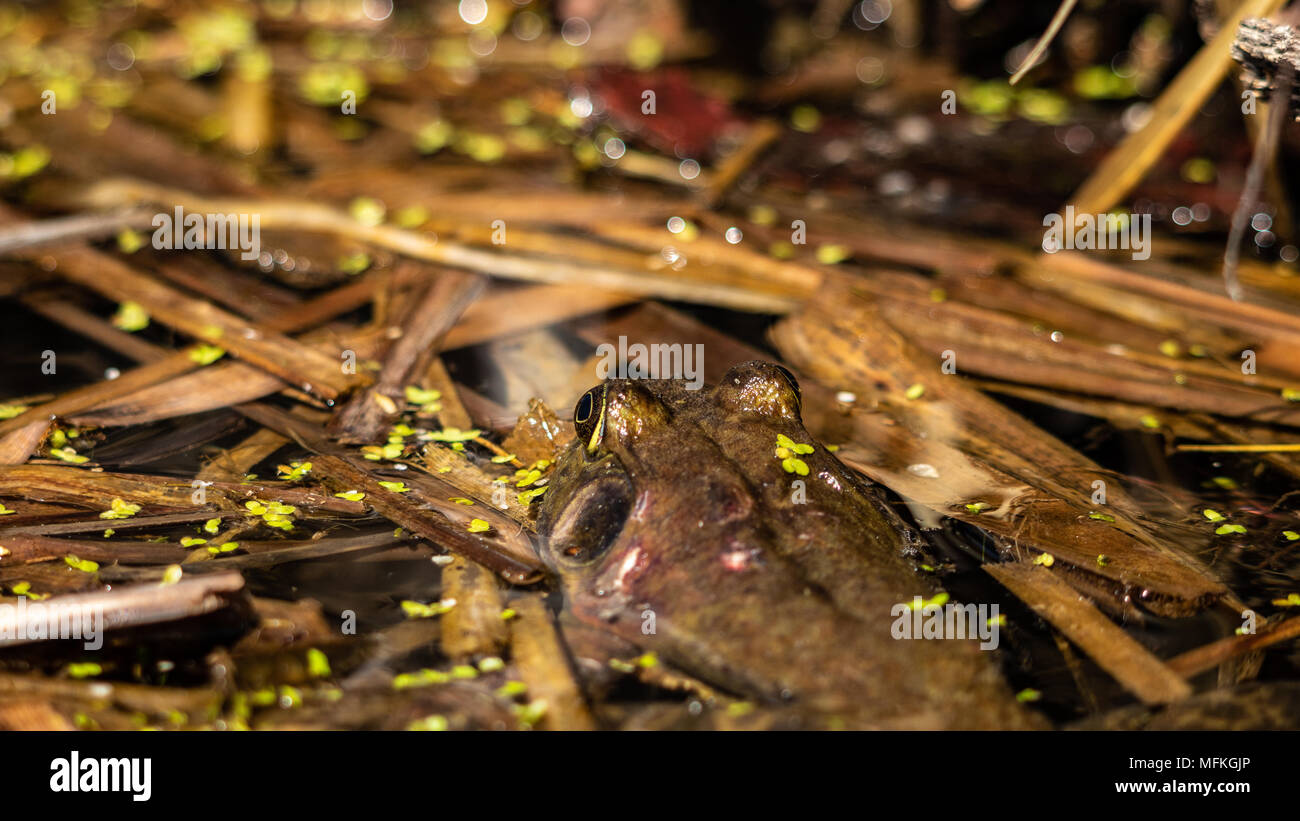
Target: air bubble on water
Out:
[528,26]
[846,397]
[869,14]
[1265,239]
[924,470]
[1289,253]
[576,31]
[377,10]
[112,373]
[837,151]
[1261,222]
[120,57]
[733,235]
[1078,139]
[473,11]
[482,42]
[870,70]
[914,130]
[676,224]
[1123,65]
[614,148]
[1182,215]
[689,169]
[1057,336]
[1136,116]
[894,183]
[581,106]
[1201,211]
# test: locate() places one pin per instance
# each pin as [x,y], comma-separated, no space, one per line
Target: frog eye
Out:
[589,418]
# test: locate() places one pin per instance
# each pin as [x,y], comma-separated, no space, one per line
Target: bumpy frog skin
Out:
[676,503]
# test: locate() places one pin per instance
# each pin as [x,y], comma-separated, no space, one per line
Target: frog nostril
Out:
[728,503]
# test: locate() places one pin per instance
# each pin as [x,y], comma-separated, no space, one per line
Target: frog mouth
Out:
[591,522]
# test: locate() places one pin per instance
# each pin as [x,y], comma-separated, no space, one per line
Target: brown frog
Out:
[709,527]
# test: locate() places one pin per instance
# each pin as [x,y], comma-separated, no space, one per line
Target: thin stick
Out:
[139,605]
[1053,28]
[1128,662]
[1265,146]
[1211,655]
[23,235]
[1292,447]
[295,215]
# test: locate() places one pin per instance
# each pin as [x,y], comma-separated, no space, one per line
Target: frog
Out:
[709,528]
